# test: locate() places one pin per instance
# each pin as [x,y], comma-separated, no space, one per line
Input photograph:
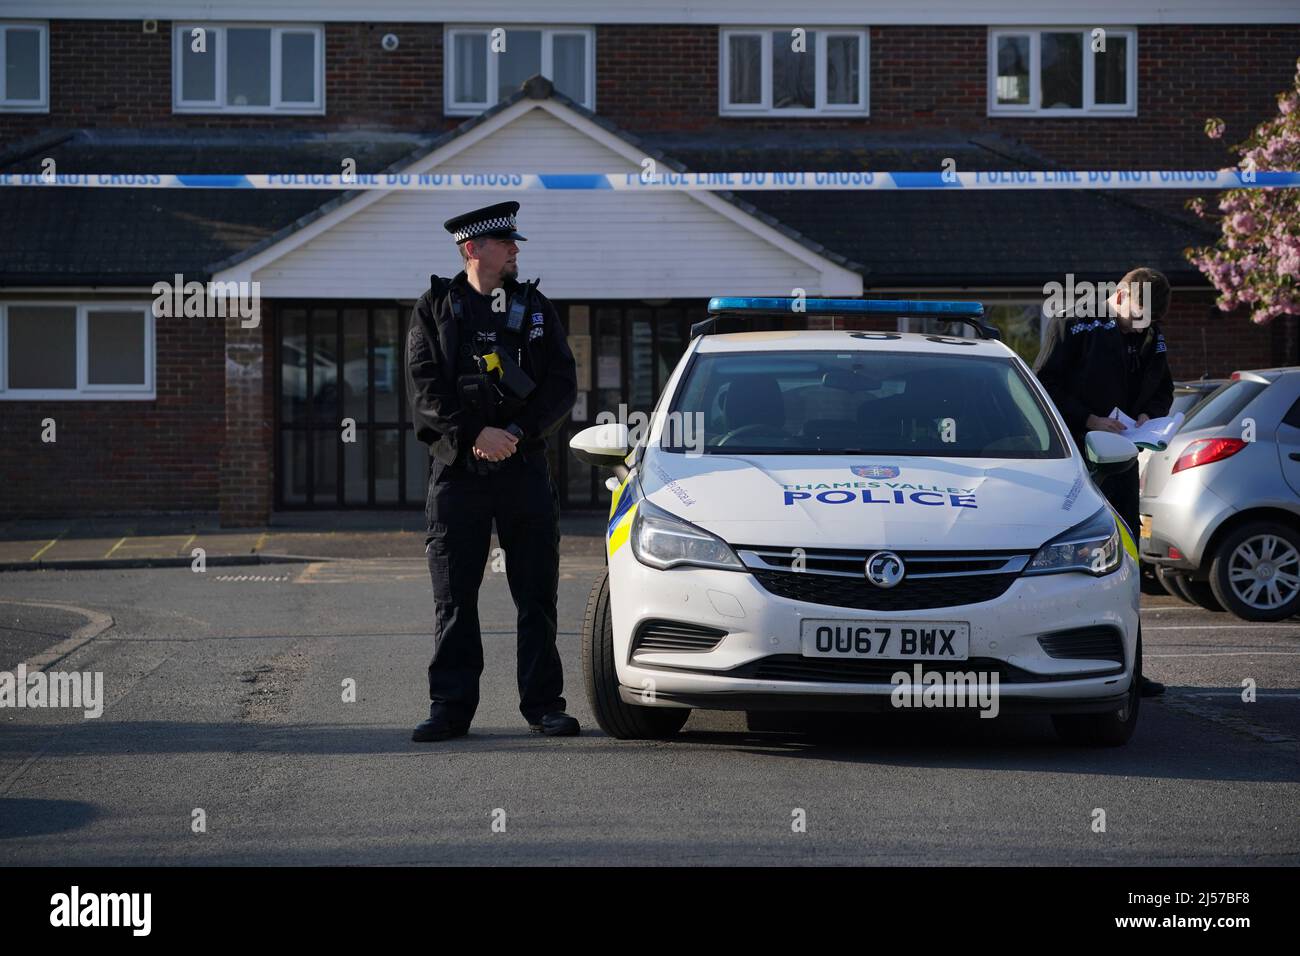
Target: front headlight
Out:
[1092,547]
[662,540]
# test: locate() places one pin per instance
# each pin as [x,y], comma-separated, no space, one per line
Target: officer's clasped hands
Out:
[494,444]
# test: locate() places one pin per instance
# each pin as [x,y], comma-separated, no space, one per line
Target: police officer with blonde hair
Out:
[1091,366]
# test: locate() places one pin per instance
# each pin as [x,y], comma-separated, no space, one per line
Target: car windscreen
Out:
[1224,404]
[859,402]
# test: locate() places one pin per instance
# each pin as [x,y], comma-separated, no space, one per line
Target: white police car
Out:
[813,514]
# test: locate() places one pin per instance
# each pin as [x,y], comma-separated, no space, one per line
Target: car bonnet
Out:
[918,503]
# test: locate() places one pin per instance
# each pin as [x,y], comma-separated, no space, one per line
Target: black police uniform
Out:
[451,325]
[1092,366]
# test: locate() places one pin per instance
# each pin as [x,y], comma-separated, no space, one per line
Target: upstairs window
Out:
[484,65]
[248,68]
[812,72]
[1063,72]
[24,67]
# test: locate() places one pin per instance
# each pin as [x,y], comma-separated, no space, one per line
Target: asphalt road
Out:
[224,693]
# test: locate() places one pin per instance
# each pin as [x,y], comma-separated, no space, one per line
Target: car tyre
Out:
[1111,729]
[615,717]
[1200,593]
[1260,540]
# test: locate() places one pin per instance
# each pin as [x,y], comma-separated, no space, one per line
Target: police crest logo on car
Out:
[875,471]
[884,569]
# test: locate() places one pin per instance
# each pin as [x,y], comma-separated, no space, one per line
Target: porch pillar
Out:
[246,457]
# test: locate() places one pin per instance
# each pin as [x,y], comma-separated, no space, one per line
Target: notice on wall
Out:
[579,320]
[580,346]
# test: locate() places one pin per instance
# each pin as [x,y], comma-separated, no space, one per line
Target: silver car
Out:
[1187,396]
[1221,505]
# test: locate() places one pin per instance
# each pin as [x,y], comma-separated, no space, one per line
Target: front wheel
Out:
[1256,572]
[615,717]
[1105,730]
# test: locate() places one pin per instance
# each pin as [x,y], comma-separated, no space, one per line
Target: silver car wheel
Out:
[1264,571]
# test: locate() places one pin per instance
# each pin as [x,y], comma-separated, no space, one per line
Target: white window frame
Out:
[41,105]
[822,108]
[181,37]
[1034,106]
[84,390]
[452,107]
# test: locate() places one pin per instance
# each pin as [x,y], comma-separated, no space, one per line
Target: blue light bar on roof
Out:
[894,307]
[731,309]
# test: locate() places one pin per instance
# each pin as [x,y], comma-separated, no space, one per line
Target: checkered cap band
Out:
[486,225]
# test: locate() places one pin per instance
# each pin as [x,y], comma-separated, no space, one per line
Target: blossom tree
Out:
[1256,261]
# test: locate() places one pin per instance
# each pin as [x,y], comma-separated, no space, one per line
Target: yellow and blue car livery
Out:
[622,510]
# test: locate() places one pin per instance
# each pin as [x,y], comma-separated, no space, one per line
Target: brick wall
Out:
[1204,341]
[107,73]
[935,77]
[115,457]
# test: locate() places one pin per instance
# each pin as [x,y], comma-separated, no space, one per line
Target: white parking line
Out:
[1145,655]
[1217,627]
[1261,695]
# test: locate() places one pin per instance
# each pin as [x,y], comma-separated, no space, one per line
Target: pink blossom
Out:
[1288,263]
[1214,128]
[1244,222]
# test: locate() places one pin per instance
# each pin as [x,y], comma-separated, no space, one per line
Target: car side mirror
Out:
[1108,453]
[605,446]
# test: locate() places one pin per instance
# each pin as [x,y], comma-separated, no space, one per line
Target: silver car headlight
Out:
[1092,547]
[662,540]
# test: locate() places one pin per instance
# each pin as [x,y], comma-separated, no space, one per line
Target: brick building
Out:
[192,414]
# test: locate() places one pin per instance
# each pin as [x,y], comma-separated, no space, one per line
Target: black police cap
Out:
[497,221]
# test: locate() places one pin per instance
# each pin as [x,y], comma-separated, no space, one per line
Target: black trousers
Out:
[1121,490]
[460,509]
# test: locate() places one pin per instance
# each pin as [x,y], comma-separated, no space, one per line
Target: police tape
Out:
[675,181]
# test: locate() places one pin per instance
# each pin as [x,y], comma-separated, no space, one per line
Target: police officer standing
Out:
[489,376]
[1091,366]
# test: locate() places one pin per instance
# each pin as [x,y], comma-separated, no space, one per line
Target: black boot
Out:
[439,725]
[556,724]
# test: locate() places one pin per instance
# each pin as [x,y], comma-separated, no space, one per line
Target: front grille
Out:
[675,636]
[1100,643]
[846,670]
[910,594]
[835,577]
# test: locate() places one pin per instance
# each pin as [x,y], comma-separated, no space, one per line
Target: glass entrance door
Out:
[635,347]
[343,437]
